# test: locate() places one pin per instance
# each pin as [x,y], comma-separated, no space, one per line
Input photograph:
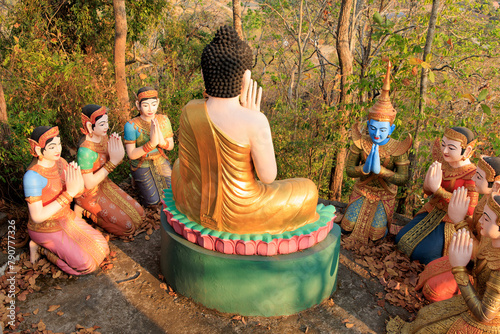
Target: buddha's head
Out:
[224,62]
[94,120]
[147,102]
[490,220]
[457,144]
[45,143]
[487,173]
[382,114]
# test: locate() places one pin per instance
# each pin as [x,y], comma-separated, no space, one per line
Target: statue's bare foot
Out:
[34,255]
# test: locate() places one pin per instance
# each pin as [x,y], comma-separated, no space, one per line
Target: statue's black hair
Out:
[38,132]
[223,63]
[466,132]
[494,162]
[89,109]
[145,89]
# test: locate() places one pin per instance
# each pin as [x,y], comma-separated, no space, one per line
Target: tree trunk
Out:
[345,60]
[431,31]
[424,82]
[237,17]
[119,55]
[4,120]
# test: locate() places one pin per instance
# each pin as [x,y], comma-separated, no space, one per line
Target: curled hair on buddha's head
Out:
[224,62]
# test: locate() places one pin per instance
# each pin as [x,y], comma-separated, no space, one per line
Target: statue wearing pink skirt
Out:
[50,184]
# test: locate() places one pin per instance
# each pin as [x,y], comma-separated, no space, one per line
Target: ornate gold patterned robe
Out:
[373,194]
[476,310]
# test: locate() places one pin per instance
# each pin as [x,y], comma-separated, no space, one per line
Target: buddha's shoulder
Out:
[193,104]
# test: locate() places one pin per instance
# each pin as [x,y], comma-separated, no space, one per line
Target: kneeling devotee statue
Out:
[437,280]
[148,137]
[427,236]
[103,201]
[381,164]
[50,184]
[476,309]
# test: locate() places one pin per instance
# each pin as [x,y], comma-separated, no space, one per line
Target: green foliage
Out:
[307,148]
[47,88]
[80,25]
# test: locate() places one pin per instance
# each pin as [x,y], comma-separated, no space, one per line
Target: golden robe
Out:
[214,184]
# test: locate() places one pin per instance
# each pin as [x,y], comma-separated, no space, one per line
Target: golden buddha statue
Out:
[223,144]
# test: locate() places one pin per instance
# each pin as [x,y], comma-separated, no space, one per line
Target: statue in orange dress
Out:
[437,280]
[222,145]
[103,201]
[50,184]
[477,308]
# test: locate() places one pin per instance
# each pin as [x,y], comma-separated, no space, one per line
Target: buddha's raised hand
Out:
[251,95]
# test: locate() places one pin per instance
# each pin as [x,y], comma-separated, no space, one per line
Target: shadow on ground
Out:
[144,306]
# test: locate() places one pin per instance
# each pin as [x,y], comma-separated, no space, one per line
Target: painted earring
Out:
[40,158]
[91,134]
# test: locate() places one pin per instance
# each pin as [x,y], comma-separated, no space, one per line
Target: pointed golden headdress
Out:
[382,110]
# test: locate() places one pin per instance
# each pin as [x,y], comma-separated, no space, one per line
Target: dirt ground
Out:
[101,303]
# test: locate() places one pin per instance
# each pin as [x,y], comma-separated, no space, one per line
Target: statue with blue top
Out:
[381,164]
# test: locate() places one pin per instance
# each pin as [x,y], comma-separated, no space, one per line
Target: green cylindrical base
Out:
[250,285]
